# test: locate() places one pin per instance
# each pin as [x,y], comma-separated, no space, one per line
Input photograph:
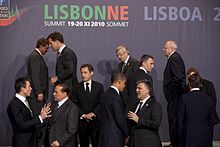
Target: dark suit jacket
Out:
[131,85]
[66,68]
[174,81]
[131,67]
[113,128]
[37,72]
[23,124]
[64,125]
[208,88]
[196,119]
[88,104]
[145,132]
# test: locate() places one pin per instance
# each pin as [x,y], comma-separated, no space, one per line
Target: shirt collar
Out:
[143,69]
[171,54]
[38,51]
[60,103]
[193,89]
[90,84]
[20,97]
[144,100]
[126,61]
[115,89]
[61,48]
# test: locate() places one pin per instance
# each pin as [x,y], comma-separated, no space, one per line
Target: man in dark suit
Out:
[146,65]
[145,116]
[23,122]
[87,94]
[128,65]
[113,129]
[63,124]
[174,83]
[207,87]
[196,116]
[37,72]
[66,64]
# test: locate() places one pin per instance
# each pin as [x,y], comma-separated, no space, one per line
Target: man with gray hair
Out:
[174,82]
[127,66]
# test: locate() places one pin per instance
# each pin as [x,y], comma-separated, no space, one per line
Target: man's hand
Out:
[90,116]
[53,79]
[45,111]
[55,144]
[40,97]
[133,116]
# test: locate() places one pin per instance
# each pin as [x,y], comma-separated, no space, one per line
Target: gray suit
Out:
[64,124]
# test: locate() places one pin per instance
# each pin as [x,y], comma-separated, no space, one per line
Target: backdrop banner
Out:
[93,29]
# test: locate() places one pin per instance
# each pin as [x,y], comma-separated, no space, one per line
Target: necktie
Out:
[139,108]
[28,106]
[123,66]
[58,53]
[87,87]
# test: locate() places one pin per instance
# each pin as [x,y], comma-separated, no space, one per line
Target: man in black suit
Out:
[23,122]
[196,116]
[63,124]
[128,65]
[66,62]
[87,94]
[113,129]
[174,83]
[145,116]
[146,65]
[207,87]
[37,72]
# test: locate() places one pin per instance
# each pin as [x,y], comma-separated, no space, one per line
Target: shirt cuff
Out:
[82,116]
[41,120]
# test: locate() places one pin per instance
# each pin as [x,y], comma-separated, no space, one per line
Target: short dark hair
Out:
[117,76]
[64,88]
[145,57]
[192,70]
[87,65]
[19,83]
[146,83]
[194,81]
[42,42]
[56,36]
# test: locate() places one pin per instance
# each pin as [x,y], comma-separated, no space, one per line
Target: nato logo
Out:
[4,9]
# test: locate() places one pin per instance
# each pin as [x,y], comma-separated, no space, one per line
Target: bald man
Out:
[174,82]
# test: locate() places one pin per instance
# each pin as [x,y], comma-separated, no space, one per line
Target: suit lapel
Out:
[146,105]
[126,66]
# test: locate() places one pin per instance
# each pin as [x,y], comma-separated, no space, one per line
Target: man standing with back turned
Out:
[174,83]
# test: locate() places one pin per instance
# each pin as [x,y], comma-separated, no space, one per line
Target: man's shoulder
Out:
[133,60]
[97,83]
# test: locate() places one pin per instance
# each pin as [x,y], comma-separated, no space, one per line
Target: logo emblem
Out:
[4,9]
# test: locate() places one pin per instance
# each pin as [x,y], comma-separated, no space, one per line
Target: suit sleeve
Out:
[178,70]
[118,113]
[97,107]
[35,68]
[69,63]
[14,111]
[72,126]
[156,117]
